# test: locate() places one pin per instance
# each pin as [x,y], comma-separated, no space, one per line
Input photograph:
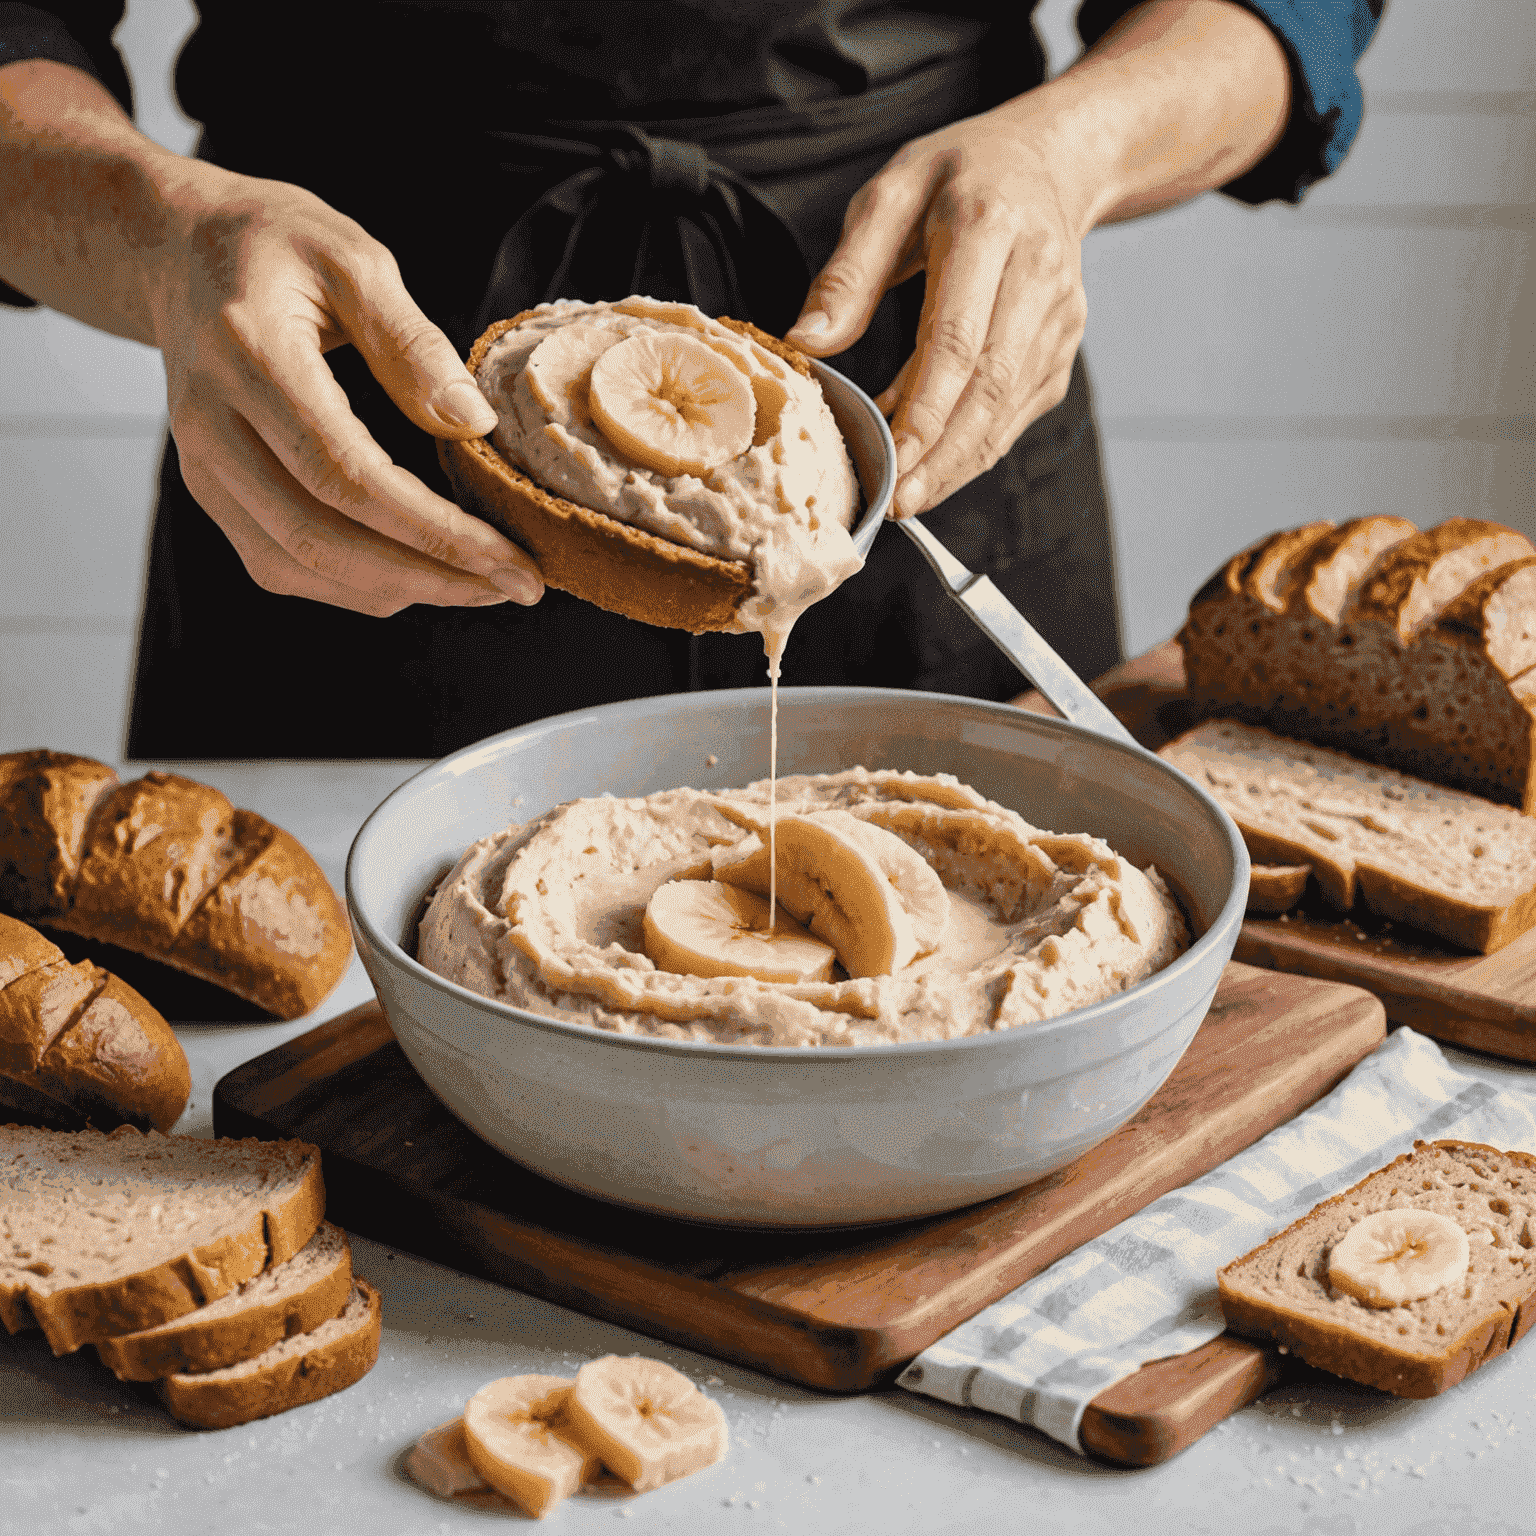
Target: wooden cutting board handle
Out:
[1168,1404]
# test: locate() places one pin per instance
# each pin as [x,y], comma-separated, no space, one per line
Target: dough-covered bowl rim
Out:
[605,719]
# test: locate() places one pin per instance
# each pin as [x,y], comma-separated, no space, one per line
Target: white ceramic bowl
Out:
[789,1137]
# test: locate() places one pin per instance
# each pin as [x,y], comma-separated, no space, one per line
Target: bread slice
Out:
[1413,649]
[1439,859]
[1276,887]
[168,868]
[589,554]
[288,1299]
[298,1370]
[109,1234]
[1279,1292]
[80,1047]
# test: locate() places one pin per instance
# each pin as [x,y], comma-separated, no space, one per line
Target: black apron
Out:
[731,212]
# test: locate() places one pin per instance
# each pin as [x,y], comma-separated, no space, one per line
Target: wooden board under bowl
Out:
[1484,1002]
[841,1311]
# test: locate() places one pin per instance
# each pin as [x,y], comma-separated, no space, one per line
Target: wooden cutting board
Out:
[1486,1002]
[842,1311]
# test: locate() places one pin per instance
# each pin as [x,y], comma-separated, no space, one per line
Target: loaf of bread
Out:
[298,1370]
[281,1302]
[1412,649]
[80,1047]
[103,1235]
[1281,1292]
[589,554]
[168,868]
[1439,859]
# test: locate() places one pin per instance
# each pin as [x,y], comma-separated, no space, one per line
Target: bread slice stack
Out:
[202,1266]
[1438,859]
[168,868]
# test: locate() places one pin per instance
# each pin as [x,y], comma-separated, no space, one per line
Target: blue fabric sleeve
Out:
[77,32]
[1323,40]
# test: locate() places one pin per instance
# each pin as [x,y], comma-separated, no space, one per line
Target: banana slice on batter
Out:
[671,403]
[559,370]
[1392,1257]
[647,1422]
[829,879]
[704,928]
[520,1441]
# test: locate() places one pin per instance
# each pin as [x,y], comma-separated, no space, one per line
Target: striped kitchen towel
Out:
[1147,1288]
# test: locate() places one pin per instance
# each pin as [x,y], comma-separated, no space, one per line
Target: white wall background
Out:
[1374,350]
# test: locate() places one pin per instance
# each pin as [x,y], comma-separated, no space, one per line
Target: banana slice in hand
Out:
[703,928]
[829,880]
[648,1423]
[1392,1257]
[519,1440]
[672,403]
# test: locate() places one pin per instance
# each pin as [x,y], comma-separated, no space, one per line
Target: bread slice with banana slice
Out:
[1422,1272]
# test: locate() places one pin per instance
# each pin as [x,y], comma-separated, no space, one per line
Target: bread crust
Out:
[203,1272]
[1276,888]
[200,1343]
[589,554]
[1491,1324]
[284,1383]
[168,868]
[46,799]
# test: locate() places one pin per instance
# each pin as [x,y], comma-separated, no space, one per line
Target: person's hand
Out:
[980,209]
[252,284]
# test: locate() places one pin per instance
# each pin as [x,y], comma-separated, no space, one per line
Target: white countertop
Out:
[80,1451]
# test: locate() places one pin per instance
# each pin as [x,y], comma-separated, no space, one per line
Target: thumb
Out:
[413,360]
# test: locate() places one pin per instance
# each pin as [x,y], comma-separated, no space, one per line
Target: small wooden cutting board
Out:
[1485,1002]
[841,1311]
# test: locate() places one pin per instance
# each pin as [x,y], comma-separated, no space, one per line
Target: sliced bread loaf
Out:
[1438,859]
[1281,1290]
[301,1369]
[285,1300]
[1406,648]
[109,1234]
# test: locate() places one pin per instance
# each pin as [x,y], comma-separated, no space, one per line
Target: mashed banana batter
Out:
[910,908]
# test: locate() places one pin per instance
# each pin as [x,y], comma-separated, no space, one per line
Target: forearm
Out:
[87,202]
[1180,97]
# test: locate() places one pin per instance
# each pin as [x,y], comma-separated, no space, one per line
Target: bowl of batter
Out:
[1091,897]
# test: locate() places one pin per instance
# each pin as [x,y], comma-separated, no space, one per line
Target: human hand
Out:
[253,283]
[981,207]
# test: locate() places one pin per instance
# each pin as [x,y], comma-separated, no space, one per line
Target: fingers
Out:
[405,352]
[1017,369]
[292,543]
[880,247]
[289,396]
[968,252]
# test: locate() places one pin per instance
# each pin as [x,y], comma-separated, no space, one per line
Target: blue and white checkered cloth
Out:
[1147,1288]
